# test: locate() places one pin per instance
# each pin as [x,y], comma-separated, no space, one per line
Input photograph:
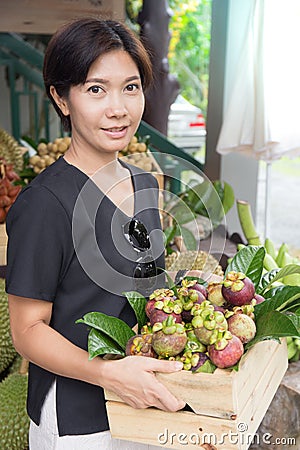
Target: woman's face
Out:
[106,110]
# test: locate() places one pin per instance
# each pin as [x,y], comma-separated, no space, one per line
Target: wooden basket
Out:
[228,405]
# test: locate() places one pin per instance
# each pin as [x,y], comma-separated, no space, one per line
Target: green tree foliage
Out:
[190,48]
[189,45]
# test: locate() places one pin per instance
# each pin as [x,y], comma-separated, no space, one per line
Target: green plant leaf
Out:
[181,212]
[113,327]
[289,269]
[207,367]
[188,239]
[277,298]
[267,280]
[137,302]
[228,197]
[295,318]
[101,344]
[170,233]
[273,325]
[249,260]
[171,284]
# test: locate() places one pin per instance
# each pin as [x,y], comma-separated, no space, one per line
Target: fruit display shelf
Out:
[225,408]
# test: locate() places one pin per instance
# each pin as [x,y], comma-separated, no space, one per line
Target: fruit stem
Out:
[247,223]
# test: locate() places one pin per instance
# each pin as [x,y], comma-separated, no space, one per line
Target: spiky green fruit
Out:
[194,260]
[7,350]
[14,421]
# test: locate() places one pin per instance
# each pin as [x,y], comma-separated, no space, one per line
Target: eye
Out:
[95,89]
[132,87]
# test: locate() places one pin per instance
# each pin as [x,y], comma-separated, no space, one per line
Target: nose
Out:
[116,106]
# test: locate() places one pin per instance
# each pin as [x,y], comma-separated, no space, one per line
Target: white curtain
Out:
[262,114]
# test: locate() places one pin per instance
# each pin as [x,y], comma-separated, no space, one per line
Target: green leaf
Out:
[171,284]
[207,367]
[170,233]
[249,260]
[138,303]
[188,239]
[289,269]
[113,327]
[101,344]
[295,318]
[273,325]
[181,212]
[199,280]
[228,197]
[277,298]
[267,280]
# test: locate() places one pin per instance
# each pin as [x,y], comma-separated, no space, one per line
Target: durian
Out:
[7,350]
[11,151]
[15,365]
[194,260]
[14,421]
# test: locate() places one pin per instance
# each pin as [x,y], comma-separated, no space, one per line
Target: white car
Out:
[186,125]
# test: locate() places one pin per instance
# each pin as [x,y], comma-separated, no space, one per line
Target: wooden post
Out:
[154,22]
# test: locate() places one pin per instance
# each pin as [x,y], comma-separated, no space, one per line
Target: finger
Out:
[159,365]
[167,401]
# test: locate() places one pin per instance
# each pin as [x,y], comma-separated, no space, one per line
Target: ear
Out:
[60,101]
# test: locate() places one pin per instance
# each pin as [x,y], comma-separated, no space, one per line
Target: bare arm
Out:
[36,341]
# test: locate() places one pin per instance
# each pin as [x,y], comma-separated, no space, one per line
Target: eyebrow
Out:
[104,81]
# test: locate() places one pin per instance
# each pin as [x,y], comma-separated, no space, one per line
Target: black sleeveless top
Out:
[66,245]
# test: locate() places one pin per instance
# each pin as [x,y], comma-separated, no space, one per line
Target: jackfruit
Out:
[14,421]
[7,350]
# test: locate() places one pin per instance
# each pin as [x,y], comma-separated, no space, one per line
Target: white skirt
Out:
[45,436]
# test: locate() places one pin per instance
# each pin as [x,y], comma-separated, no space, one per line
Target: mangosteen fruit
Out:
[158,315]
[169,338]
[198,359]
[149,307]
[193,344]
[242,326]
[140,345]
[208,323]
[238,289]
[193,360]
[201,288]
[228,356]
[214,294]
[259,298]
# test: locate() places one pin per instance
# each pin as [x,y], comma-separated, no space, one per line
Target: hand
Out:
[133,379]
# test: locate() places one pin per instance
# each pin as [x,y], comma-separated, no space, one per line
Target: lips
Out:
[114,129]
[116,132]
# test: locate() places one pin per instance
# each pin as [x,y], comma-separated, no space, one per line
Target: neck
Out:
[92,163]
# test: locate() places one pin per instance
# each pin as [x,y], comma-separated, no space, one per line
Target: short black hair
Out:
[76,45]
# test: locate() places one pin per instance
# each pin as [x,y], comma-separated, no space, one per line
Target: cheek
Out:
[139,107]
[80,109]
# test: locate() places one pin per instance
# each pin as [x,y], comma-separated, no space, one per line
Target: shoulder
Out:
[56,187]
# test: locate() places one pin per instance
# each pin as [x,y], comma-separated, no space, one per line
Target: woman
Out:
[69,252]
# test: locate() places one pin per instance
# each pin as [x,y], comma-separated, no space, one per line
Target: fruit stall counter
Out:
[226,407]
